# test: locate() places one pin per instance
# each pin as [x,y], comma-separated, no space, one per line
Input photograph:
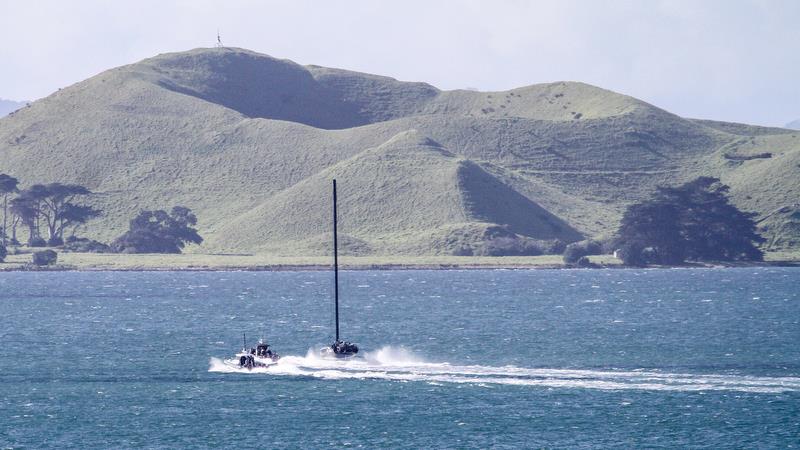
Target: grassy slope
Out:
[404,187]
[234,134]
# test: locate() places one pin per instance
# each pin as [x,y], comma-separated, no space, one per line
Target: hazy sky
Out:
[735,60]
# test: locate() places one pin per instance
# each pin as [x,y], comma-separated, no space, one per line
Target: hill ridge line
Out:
[553,157]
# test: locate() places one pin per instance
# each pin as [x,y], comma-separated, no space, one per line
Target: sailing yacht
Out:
[339,348]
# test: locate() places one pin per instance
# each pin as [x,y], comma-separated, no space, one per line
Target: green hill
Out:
[250,143]
[388,195]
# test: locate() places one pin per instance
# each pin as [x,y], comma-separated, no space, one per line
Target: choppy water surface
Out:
[506,359]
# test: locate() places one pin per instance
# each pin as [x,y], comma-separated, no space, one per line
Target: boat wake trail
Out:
[398,364]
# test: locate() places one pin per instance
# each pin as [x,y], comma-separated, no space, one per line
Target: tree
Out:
[3,253]
[159,232]
[654,225]
[75,216]
[58,210]
[694,221]
[51,204]
[716,229]
[8,185]
[15,221]
[631,253]
[27,206]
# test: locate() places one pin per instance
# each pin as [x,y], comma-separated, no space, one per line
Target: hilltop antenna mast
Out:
[219,40]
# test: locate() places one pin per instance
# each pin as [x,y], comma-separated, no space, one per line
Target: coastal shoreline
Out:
[195,262]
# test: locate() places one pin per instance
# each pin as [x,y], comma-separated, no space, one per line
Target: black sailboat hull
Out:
[327,352]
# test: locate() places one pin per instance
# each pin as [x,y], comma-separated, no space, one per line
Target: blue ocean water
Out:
[675,358]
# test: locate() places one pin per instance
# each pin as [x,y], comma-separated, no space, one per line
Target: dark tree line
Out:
[49,211]
[691,222]
[53,207]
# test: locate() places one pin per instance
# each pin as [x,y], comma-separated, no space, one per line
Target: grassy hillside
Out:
[250,143]
[407,185]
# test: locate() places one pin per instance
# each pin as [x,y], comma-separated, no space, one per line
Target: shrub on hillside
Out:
[55,241]
[84,245]
[631,254]
[583,261]
[497,240]
[464,250]
[608,244]
[45,258]
[508,246]
[553,247]
[575,251]
[3,253]
[37,242]
[504,243]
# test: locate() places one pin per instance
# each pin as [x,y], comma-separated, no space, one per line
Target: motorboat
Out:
[251,358]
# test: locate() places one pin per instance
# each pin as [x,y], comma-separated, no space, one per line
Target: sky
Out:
[732,60]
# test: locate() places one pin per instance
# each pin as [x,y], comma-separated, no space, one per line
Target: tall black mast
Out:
[335,263]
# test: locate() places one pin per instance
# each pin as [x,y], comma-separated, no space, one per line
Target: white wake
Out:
[398,364]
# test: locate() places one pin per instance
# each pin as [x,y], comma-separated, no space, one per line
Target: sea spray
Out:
[400,364]
[390,356]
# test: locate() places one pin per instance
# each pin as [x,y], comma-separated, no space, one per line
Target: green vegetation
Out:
[694,221]
[45,258]
[250,142]
[8,185]
[577,252]
[84,245]
[55,207]
[52,206]
[408,196]
[159,232]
